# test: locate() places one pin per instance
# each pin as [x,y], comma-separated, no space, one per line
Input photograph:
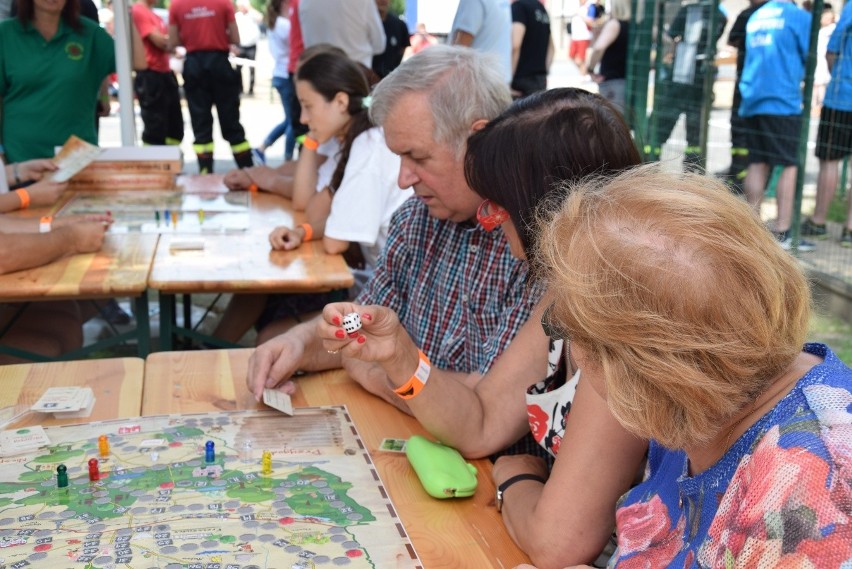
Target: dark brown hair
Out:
[70,13]
[329,74]
[524,155]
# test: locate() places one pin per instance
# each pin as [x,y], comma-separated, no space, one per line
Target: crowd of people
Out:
[627,344]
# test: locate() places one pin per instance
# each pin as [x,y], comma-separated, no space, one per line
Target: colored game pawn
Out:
[94,473]
[103,446]
[266,463]
[61,476]
[209,452]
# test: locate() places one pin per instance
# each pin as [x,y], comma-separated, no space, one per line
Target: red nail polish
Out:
[362,339]
[340,334]
[353,335]
[336,320]
[367,316]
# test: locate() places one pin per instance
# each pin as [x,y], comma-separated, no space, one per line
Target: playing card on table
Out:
[61,399]
[278,400]
[393,445]
[17,441]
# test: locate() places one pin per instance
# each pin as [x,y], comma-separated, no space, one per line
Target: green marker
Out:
[157,217]
[61,476]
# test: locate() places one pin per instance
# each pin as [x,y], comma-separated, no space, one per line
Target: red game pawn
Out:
[94,473]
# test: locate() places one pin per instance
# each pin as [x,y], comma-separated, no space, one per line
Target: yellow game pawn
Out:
[266,463]
[103,446]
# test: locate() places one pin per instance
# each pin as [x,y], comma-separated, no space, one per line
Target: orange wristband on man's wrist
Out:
[24,196]
[309,231]
[417,382]
[252,188]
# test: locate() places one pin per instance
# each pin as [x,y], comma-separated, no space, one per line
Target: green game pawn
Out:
[61,476]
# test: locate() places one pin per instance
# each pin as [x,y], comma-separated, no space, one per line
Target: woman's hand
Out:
[285,239]
[102,218]
[237,180]
[46,192]
[35,169]
[380,339]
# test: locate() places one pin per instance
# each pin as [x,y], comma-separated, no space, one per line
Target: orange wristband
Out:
[310,143]
[417,382]
[309,231]
[252,188]
[24,196]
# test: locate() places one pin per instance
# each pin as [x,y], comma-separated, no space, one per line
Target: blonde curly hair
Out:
[679,292]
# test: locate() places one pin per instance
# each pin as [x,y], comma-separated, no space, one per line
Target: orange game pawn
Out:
[103,446]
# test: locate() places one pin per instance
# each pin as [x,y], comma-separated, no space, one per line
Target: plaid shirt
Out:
[455,287]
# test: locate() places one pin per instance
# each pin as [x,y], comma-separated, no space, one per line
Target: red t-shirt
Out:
[202,24]
[146,21]
[297,46]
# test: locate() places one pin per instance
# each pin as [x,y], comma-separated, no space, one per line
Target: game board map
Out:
[145,210]
[158,503]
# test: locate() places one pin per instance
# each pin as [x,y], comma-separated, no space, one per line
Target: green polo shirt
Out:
[50,88]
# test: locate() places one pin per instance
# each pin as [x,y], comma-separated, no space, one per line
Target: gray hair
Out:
[621,9]
[462,86]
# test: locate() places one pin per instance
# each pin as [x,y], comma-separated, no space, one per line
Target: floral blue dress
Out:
[780,497]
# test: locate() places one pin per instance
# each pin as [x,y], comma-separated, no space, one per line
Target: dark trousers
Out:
[247,52]
[209,79]
[530,84]
[159,102]
[294,109]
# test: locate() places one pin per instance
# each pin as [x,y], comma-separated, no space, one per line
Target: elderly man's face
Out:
[431,168]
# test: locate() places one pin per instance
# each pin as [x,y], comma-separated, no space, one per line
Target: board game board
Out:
[163,211]
[159,503]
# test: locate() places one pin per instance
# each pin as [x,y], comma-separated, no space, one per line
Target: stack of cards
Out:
[66,402]
[278,400]
[25,439]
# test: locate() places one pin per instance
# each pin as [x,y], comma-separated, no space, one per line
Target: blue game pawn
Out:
[209,452]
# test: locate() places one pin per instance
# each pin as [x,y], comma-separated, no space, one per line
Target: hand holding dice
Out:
[352,322]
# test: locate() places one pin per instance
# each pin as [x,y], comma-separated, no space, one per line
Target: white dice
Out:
[352,322]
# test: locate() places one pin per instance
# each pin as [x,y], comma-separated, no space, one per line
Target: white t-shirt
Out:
[248,28]
[490,24]
[368,196]
[352,25]
[579,29]
[279,46]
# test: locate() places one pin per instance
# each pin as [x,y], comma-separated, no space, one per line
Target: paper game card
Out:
[278,400]
[393,445]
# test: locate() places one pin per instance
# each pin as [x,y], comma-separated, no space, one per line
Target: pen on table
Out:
[200,216]
[168,217]
[157,217]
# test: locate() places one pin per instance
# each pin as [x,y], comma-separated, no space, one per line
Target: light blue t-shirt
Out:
[777,37]
[838,94]
[490,24]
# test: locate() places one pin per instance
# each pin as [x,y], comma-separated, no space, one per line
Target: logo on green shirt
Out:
[74,51]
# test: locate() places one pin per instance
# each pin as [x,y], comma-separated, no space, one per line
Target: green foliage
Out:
[397,7]
[833,331]
[837,209]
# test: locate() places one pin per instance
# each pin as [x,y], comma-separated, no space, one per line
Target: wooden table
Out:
[120,268]
[242,263]
[446,533]
[116,382]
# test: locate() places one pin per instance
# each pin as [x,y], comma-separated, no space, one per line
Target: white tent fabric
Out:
[125,75]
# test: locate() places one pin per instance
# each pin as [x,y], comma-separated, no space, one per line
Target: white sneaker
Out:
[786,242]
